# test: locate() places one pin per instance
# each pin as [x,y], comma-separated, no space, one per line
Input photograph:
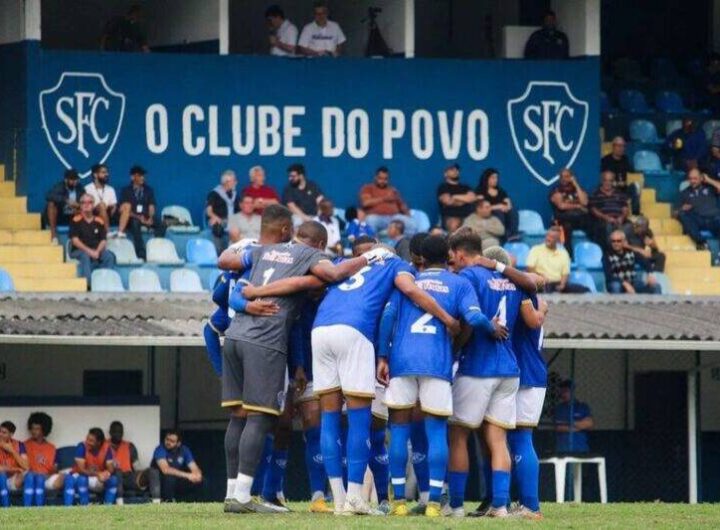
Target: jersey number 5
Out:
[421,325]
[355,281]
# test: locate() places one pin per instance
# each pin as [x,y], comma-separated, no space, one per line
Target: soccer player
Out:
[13,462]
[420,367]
[125,460]
[94,469]
[42,458]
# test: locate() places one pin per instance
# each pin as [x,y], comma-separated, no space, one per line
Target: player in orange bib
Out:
[13,462]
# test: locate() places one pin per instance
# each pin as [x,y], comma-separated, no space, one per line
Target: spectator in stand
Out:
[401,243]
[483,222]
[321,37]
[437,231]
[103,194]
[456,200]
[42,461]
[618,163]
[334,226]
[125,34]
[245,223]
[94,469]
[258,191]
[383,203]
[548,42]
[711,165]
[222,201]
[88,236]
[688,145]
[125,461]
[699,209]
[502,207]
[712,82]
[552,262]
[572,421]
[62,202]
[641,241]
[13,463]
[283,33]
[173,475]
[608,208]
[570,206]
[301,195]
[137,209]
[620,273]
[356,224]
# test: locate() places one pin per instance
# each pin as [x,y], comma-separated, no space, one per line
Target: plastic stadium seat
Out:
[709,127]
[339,213]
[144,281]
[162,251]
[422,221]
[633,101]
[519,251]
[531,223]
[212,278]
[673,125]
[185,281]
[583,278]
[643,131]
[669,101]
[6,282]
[645,160]
[664,281]
[124,251]
[182,214]
[106,281]
[201,252]
[588,255]
[605,106]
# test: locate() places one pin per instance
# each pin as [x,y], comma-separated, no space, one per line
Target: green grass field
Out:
[181,516]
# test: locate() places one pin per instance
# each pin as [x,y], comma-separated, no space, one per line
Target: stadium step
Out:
[40,270]
[31,254]
[659,210]
[63,285]
[666,227]
[15,221]
[688,258]
[688,282]
[667,243]
[7,187]
[13,204]
[24,237]
[648,196]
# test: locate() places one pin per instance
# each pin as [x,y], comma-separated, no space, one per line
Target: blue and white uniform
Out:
[301,347]
[527,345]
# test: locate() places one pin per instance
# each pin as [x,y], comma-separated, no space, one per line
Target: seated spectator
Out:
[137,209]
[641,241]
[383,203]
[333,225]
[173,475]
[687,145]
[321,37]
[301,195]
[401,243]
[489,227]
[258,191]
[356,224]
[699,207]
[489,189]
[125,461]
[620,273]
[283,33]
[62,202]
[547,42]
[222,201]
[103,194]
[456,200]
[88,236]
[608,209]
[94,469]
[711,165]
[13,463]
[618,163]
[245,223]
[571,416]
[124,34]
[569,202]
[43,473]
[552,262]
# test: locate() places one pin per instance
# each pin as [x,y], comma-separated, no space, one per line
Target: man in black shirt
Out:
[137,209]
[457,200]
[62,201]
[699,207]
[301,196]
[619,163]
[88,235]
[124,34]
[547,42]
[641,240]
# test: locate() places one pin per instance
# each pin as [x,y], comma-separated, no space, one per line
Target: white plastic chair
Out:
[183,215]
[560,463]
[124,251]
[106,281]
[144,281]
[185,281]
[162,251]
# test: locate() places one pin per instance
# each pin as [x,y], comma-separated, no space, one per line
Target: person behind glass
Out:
[88,236]
[620,273]
[222,202]
[573,419]
[283,33]
[321,37]
[619,163]
[502,207]
[570,206]
[641,240]
[383,203]
[456,200]
[356,224]
[137,209]
[608,209]
[62,201]
[174,474]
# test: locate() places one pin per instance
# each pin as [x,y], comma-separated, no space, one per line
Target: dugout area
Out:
[648,367]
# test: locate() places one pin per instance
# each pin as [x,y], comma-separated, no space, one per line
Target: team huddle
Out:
[431,350]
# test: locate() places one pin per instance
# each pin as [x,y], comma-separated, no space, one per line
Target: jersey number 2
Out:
[421,325]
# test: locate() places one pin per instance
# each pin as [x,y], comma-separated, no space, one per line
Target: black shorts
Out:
[253,376]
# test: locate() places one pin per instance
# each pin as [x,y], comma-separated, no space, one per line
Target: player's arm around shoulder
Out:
[405,282]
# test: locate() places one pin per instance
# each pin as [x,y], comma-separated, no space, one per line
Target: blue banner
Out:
[186,118]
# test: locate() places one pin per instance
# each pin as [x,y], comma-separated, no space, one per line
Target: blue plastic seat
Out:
[669,101]
[588,255]
[673,125]
[201,252]
[106,281]
[421,219]
[645,160]
[531,223]
[185,281]
[643,131]
[633,101]
[664,282]
[144,280]
[583,278]
[520,251]
[6,282]
[709,127]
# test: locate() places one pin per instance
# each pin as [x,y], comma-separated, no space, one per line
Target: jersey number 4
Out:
[421,325]
[501,314]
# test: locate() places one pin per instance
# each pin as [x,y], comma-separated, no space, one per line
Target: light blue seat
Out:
[185,281]
[182,214]
[212,277]
[144,280]
[644,160]
[520,251]
[664,282]
[106,281]
[421,219]
[6,282]
[669,101]
[633,101]
[588,255]
[674,125]
[531,223]
[643,131]
[709,127]
[162,251]
[201,252]
[124,251]
[583,278]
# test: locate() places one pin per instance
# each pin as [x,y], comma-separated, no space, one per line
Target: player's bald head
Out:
[312,234]
[276,224]
[499,254]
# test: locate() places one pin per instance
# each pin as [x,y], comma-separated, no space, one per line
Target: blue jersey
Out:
[422,345]
[483,356]
[577,441]
[220,319]
[358,301]
[300,349]
[527,345]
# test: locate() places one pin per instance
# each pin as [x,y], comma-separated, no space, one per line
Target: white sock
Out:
[230,488]
[243,484]
[317,495]
[354,489]
[424,497]
[338,491]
